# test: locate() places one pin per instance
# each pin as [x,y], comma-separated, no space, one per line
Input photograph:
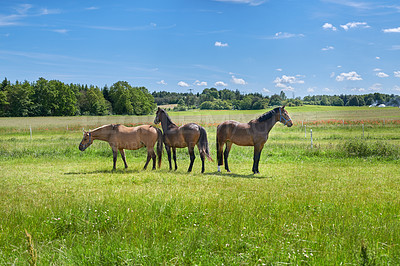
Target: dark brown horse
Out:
[254,133]
[188,135]
[130,138]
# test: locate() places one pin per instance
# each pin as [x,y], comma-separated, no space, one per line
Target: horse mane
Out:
[168,118]
[113,126]
[267,115]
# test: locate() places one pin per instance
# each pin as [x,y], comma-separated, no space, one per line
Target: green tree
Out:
[246,103]
[275,100]
[44,98]
[65,99]
[336,101]
[4,104]
[92,102]
[19,98]
[131,100]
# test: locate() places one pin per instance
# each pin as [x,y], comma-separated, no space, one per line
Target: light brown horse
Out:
[121,137]
[187,135]
[254,133]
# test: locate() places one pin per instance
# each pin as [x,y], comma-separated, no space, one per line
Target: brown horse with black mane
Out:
[254,133]
[187,135]
[121,137]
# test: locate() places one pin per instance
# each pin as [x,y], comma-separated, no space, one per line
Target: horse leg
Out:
[202,156]
[256,158]
[174,156]
[192,157]
[147,160]
[168,149]
[153,156]
[226,155]
[115,154]
[123,157]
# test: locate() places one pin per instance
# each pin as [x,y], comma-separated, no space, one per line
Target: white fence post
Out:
[311,138]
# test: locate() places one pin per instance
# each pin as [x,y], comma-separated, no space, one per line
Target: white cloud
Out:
[249,2]
[220,44]
[183,84]
[332,75]
[393,30]
[279,69]
[266,90]
[287,80]
[162,82]
[45,11]
[358,89]
[377,58]
[375,87]
[288,88]
[327,90]
[220,84]
[382,75]
[328,26]
[310,90]
[61,31]
[396,74]
[348,76]
[92,8]
[22,11]
[328,48]
[377,69]
[353,25]
[280,85]
[286,35]
[200,83]
[238,81]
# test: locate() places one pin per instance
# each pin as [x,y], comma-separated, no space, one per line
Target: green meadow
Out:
[337,202]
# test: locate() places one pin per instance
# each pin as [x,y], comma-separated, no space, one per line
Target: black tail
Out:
[203,143]
[159,146]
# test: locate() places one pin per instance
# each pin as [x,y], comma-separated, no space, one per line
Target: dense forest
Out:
[55,98]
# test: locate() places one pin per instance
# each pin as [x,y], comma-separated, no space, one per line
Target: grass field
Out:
[335,203]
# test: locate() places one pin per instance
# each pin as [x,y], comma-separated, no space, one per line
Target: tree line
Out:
[55,98]
[227,99]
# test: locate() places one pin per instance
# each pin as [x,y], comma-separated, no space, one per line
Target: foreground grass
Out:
[315,212]
[323,206]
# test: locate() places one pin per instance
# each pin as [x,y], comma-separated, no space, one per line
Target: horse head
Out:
[158,116]
[87,140]
[284,117]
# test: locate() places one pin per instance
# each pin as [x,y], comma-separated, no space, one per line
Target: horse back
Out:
[133,138]
[239,133]
[181,137]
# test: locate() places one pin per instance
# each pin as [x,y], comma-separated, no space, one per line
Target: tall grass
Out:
[336,203]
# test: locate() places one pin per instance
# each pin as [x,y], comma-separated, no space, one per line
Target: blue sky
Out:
[301,47]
